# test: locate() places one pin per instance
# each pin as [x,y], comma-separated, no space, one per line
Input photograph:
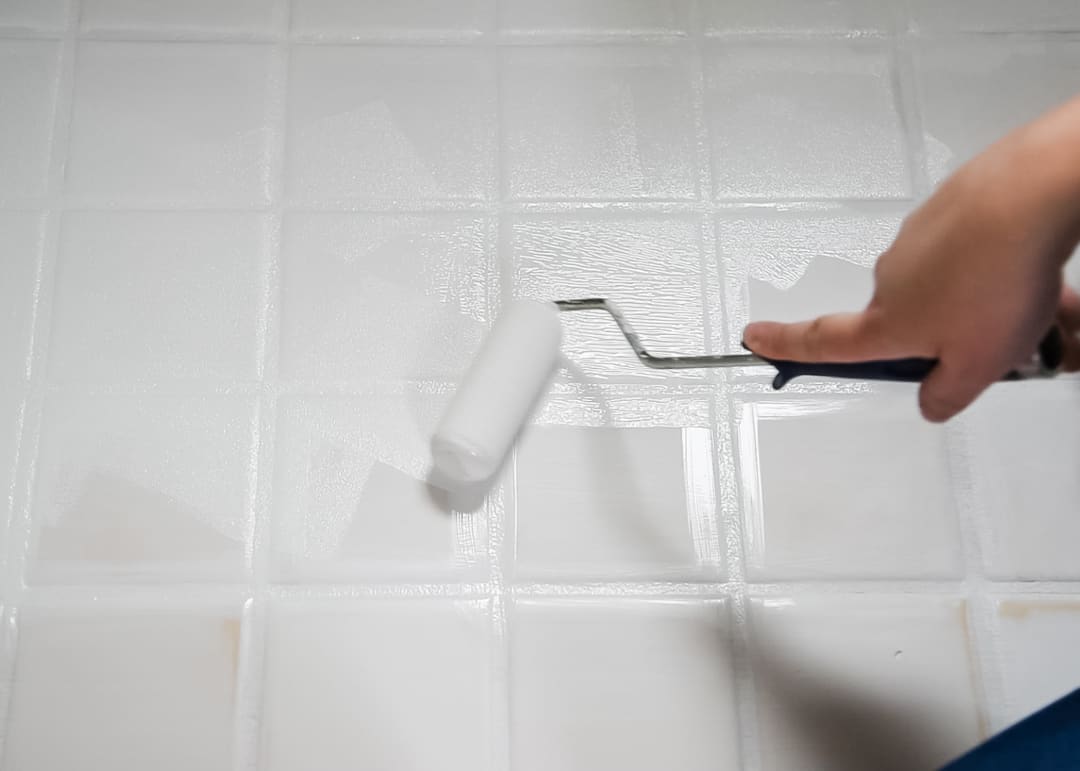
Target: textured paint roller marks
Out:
[651,267]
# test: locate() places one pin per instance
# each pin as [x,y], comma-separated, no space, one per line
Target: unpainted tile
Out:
[162,18]
[595,19]
[126,689]
[29,70]
[931,16]
[848,682]
[392,684]
[631,684]
[848,17]
[33,17]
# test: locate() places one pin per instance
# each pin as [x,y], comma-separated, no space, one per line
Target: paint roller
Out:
[518,359]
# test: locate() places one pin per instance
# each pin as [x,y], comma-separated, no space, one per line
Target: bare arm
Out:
[973,279]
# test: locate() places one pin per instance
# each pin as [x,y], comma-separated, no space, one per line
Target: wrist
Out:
[1050,156]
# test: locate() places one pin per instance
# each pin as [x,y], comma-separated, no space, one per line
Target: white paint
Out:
[500,390]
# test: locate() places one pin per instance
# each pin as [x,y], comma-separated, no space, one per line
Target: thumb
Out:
[950,388]
[842,337]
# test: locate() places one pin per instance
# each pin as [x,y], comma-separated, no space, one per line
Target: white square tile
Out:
[392,125]
[847,683]
[626,493]
[165,123]
[9,443]
[383,296]
[163,18]
[724,17]
[851,487]
[157,296]
[351,493]
[28,74]
[131,487]
[388,685]
[123,689]
[995,15]
[814,120]
[33,16]
[377,20]
[598,123]
[633,685]
[650,267]
[798,265]
[1024,459]
[20,235]
[1039,641]
[975,91]
[594,19]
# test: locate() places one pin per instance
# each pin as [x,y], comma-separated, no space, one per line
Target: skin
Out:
[974,277]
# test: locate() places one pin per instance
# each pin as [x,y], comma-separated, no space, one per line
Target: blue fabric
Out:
[1049,740]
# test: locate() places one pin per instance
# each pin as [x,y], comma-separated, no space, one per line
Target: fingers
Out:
[950,388]
[1068,318]
[844,337]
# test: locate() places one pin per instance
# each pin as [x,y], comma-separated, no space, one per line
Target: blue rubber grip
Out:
[914,370]
[900,370]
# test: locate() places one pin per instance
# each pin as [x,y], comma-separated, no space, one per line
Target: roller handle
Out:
[912,370]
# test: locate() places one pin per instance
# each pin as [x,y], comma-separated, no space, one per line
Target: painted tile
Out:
[28,73]
[812,120]
[157,296]
[617,487]
[127,689]
[383,296]
[862,682]
[33,16]
[650,267]
[352,494]
[856,488]
[192,17]
[10,408]
[995,16]
[798,265]
[161,123]
[586,123]
[851,17]
[134,488]
[20,234]
[597,19]
[377,20]
[632,685]
[976,91]
[402,685]
[394,125]
[1024,460]
[1039,640]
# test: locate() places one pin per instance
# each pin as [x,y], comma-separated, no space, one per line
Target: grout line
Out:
[983,645]
[730,509]
[250,673]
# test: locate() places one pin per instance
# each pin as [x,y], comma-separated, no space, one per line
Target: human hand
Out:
[974,277]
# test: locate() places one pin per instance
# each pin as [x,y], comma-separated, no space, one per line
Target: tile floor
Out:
[247,250]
